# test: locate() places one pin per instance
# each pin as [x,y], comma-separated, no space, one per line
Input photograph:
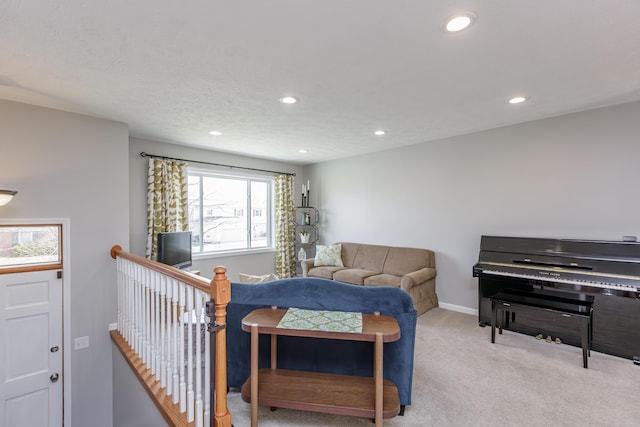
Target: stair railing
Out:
[165,319]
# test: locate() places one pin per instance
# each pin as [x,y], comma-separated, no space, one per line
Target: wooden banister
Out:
[181,275]
[219,290]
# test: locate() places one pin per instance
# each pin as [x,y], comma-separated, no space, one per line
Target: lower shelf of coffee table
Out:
[321,392]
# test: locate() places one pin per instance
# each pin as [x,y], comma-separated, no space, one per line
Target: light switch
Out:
[80,343]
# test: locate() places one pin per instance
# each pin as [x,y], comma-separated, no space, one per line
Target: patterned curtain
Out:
[167,200]
[285,237]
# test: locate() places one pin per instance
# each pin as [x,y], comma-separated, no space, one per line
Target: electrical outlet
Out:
[80,343]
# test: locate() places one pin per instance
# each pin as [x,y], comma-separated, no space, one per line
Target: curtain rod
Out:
[155,156]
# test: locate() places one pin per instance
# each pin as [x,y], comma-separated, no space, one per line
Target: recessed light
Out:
[459,22]
[303,151]
[517,100]
[288,100]
[215,132]
[380,132]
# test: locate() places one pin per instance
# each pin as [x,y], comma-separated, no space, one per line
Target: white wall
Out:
[262,263]
[72,166]
[574,176]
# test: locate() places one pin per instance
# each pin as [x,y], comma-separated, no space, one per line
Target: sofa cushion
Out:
[324,272]
[354,276]
[328,255]
[383,280]
[349,251]
[401,261]
[370,257]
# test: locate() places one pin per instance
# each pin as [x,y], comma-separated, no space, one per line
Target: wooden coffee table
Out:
[369,397]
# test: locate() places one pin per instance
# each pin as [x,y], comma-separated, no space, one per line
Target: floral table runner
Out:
[321,320]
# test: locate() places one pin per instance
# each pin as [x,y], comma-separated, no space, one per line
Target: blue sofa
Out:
[322,355]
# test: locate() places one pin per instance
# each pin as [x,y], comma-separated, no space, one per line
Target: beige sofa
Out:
[410,269]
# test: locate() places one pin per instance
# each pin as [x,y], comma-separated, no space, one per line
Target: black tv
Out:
[174,249]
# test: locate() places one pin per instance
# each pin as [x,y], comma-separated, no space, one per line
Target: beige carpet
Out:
[461,379]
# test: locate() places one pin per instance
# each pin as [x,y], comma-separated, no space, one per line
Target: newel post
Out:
[221,295]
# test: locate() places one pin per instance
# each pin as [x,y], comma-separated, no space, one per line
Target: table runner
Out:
[321,320]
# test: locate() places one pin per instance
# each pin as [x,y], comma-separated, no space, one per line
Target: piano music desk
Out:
[561,304]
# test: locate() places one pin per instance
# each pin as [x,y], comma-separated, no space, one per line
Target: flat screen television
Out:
[174,249]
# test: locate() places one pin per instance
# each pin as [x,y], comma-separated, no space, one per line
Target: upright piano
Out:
[607,270]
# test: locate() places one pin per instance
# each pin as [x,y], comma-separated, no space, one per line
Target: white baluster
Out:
[198,374]
[130,318]
[156,323]
[123,287]
[133,335]
[147,310]
[176,340]
[119,292]
[169,349]
[163,360]
[135,270]
[125,282]
[137,282]
[139,296]
[183,384]
[190,397]
[152,324]
[137,293]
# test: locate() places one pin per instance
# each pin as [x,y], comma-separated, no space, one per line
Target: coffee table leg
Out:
[378,377]
[254,375]
[274,351]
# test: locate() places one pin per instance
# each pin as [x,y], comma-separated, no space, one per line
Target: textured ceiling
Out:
[173,70]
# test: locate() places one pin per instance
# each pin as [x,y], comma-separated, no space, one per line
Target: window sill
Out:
[232,253]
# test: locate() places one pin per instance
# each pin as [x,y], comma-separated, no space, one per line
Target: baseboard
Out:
[458,308]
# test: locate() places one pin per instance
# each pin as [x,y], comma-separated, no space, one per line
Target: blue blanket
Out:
[322,355]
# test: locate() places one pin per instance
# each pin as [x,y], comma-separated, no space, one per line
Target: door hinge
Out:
[60,274]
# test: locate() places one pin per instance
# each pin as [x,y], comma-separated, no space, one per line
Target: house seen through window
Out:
[230,213]
[31,246]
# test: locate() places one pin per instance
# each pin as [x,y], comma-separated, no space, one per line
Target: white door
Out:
[31,349]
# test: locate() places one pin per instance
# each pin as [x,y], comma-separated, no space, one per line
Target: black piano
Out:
[607,270]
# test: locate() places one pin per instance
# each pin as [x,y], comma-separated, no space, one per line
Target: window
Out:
[30,246]
[218,212]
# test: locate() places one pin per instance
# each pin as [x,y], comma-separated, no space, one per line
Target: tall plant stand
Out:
[306,220]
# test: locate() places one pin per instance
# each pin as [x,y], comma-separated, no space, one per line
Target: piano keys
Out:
[607,270]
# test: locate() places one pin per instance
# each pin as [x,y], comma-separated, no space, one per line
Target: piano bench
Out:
[563,303]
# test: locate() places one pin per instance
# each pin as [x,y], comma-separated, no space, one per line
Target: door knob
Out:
[54,349]
[54,377]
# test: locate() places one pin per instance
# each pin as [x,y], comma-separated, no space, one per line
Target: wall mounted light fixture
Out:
[6,196]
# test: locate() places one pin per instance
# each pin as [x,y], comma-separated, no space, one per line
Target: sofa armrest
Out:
[307,264]
[415,278]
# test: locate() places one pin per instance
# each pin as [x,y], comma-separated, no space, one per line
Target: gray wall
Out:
[574,176]
[72,166]
[131,403]
[261,263]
